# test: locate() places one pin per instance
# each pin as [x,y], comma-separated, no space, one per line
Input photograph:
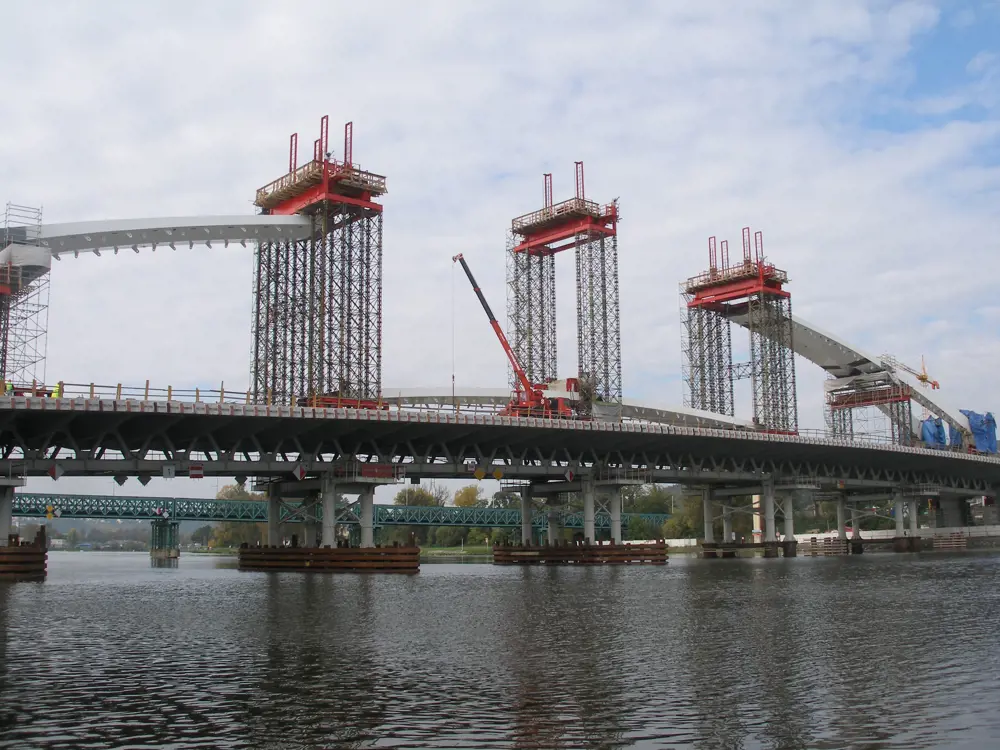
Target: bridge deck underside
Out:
[139,437]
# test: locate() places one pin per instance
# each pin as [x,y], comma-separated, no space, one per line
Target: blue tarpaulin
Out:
[932,432]
[984,430]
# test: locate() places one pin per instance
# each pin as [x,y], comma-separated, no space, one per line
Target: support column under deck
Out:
[856,544]
[273,516]
[706,510]
[841,518]
[727,523]
[615,508]
[526,515]
[770,532]
[914,527]
[789,543]
[589,502]
[367,502]
[900,543]
[6,514]
[329,498]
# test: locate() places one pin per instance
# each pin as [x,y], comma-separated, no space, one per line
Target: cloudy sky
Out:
[861,136]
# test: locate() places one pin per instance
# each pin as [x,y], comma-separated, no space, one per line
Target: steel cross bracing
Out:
[255,511]
[317,325]
[93,437]
[707,366]
[772,362]
[531,312]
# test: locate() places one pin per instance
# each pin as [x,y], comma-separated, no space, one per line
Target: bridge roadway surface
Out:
[99,437]
[31,505]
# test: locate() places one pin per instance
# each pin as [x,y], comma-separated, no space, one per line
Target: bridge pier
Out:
[857,546]
[328,493]
[553,530]
[914,525]
[309,530]
[615,511]
[770,533]
[789,543]
[589,491]
[900,543]
[273,515]
[841,518]
[19,561]
[526,533]
[6,513]
[163,540]
[367,502]
[727,523]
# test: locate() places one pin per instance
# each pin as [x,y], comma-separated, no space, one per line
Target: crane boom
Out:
[518,370]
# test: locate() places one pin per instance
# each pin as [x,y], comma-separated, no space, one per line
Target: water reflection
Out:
[819,653]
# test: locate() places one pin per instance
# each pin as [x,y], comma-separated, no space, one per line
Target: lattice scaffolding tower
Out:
[317,327]
[532,244]
[24,296]
[751,291]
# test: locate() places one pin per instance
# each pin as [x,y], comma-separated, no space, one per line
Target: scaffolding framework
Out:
[876,408]
[591,229]
[752,289]
[24,302]
[317,327]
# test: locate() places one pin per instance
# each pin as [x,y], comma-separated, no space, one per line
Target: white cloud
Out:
[702,117]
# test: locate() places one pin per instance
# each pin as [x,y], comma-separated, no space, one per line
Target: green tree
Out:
[449,536]
[505,499]
[415,496]
[237,492]
[72,538]
[476,537]
[235,533]
[470,496]
[202,534]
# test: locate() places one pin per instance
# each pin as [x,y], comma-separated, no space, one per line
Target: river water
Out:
[876,651]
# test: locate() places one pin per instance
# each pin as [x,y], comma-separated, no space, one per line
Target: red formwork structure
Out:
[317,329]
[591,229]
[751,291]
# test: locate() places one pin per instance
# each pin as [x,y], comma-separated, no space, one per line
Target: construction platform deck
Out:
[581,554]
[24,561]
[331,559]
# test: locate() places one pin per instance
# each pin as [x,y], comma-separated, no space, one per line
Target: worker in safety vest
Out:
[8,389]
[57,391]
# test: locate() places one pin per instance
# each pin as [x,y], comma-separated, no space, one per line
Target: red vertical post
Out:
[293,152]
[758,241]
[348,143]
[548,189]
[746,246]
[724,249]
[324,136]
[317,154]
[579,180]
[712,260]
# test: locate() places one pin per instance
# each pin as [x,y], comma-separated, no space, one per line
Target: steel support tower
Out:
[532,244]
[752,288]
[870,407]
[24,296]
[317,327]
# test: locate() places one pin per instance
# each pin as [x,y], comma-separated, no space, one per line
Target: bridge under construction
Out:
[315,421]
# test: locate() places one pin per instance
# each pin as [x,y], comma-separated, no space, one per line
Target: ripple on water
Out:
[824,653]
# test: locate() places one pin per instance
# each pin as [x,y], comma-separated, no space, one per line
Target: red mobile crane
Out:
[530,399]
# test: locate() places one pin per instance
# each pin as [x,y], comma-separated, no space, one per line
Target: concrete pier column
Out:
[914,527]
[6,513]
[789,509]
[273,516]
[367,502]
[309,523]
[727,523]
[615,508]
[706,510]
[329,498]
[855,523]
[897,510]
[589,502]
[553,526]
[770,533]
[841,518]
[526,513]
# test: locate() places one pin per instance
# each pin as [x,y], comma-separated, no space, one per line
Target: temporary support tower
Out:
[533,242]
[317,328]
[870,406]
[24,296]
[751,289]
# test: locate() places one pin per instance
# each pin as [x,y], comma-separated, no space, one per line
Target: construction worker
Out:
[8,389]
[57,391]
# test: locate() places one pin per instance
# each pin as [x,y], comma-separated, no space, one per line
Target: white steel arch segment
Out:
[173,232]
[841,360]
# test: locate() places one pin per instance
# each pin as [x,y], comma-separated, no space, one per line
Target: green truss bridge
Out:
[30,505]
